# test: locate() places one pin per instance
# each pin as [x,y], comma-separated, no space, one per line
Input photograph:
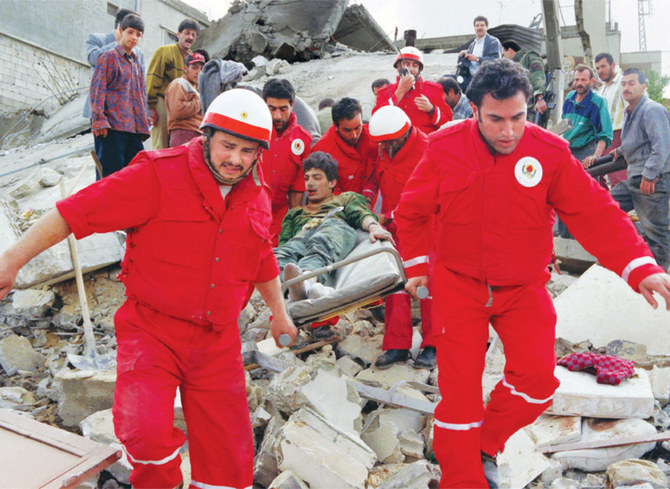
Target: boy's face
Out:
[319,188]
[130,37]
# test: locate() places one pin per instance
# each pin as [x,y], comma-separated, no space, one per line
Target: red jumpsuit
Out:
[420,119]
[354,164]
[282,167]
[493,242]
[391,176]
[189,261]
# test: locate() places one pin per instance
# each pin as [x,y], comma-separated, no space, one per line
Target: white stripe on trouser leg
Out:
[162,461]
[526,397]
[458,426]
[202,485]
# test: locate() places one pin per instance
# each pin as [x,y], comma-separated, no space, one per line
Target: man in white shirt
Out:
[485,47]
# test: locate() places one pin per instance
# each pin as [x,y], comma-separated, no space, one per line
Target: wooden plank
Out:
[614,442]
[96,461]
[393,398]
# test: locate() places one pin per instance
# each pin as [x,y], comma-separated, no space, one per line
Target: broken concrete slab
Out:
[411,445]
[390,377]
[564,483]
[265,461]
[601,307]
[418,475]
[552,430]
[580,395]
[634,472]
[16,353]
[382,437]
[361,348]
[288,480]
[322,455]
[16,398]
[571,256]
[598,459]
[520,462]
[285,389]
[359,30]
[660,384]
[82,393]
[349,366]
[33,302]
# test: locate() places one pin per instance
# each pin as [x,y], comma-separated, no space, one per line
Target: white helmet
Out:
[242,113]
[389,122]
[409,52]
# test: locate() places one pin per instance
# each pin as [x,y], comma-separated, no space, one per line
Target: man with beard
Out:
[167,64]
[118,106]
[481,201]
[348,142]
[289,146]
[612,91]
[421,100]
[197,217]
[400,147]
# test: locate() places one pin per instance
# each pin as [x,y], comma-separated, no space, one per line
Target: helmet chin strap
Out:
[218,177]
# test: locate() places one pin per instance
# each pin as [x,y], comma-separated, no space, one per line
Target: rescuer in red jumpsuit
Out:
[401,147]
[198,219]
[490,184]
[422,100]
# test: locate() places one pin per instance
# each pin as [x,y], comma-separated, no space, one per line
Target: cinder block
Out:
[82,393]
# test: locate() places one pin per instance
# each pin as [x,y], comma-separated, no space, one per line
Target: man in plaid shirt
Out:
[118,100]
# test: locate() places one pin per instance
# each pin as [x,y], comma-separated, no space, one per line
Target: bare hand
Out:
[471,57]
[462,53]
[416,282]
[657,282]
[383,220]
[423,103]
[615,155]
[378,232]
[153,117]
[588,161]
[647,186]
[7,277]
[405,84]
[100,132]
[541,106]
[283,325]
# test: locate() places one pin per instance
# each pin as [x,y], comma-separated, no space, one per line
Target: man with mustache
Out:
[197,217]
[167,64]
[118,103]
[645,144]
[481,203]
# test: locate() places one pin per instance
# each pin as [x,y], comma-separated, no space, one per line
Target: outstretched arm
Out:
[46,232]
[657,282]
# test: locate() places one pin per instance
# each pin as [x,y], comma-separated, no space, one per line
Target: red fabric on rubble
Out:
[609,369]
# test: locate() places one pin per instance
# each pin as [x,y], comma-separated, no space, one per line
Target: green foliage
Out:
[655,85]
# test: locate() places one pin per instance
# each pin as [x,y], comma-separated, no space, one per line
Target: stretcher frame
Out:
[365,300]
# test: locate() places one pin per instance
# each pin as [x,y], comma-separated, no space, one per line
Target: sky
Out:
[434,18]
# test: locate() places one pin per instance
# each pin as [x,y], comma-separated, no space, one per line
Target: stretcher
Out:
[369,273]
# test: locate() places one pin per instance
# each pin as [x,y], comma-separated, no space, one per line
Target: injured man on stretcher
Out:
[323,231]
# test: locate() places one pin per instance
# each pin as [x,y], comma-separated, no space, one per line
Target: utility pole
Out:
[554,56]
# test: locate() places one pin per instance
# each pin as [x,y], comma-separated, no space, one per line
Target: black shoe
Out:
[324,333]
[491,471]
[389,357]
[426,359]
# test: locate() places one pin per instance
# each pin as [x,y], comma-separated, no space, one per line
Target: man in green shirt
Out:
[324,230]
[538,78]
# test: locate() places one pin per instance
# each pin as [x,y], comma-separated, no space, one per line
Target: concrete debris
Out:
[520,462]
[411,445]
[322,455]
[32,302]
[660,384]
[571,256]
[559,282]
[49,177]
[390,377]
[83,393]
[16,398]
[580,395]
[564,483]
[627,349]
[285,389]
[552,430]
[265,461]
[598,459]
[382,437]
[418,475]
[600,307]
[16,353]
[349,366]
[288,480]
[634,472]
[553,472]
[363,349]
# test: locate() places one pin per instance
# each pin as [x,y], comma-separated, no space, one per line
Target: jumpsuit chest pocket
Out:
[528,206]
[183,235]
[458,199]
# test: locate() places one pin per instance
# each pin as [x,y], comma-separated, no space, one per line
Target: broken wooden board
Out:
[58,458]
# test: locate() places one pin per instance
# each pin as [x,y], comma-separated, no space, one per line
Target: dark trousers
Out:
[116,150]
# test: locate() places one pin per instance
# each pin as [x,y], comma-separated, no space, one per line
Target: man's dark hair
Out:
[379,82]
[501,78]
[641,78]
[280,89]
[481,17]
[582,68]
[449,83]
[326,102]
[133,21]
[189,24]
[345,108]
[321,161]
[607,56]
[120,15]
[204,53]
[513,45]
